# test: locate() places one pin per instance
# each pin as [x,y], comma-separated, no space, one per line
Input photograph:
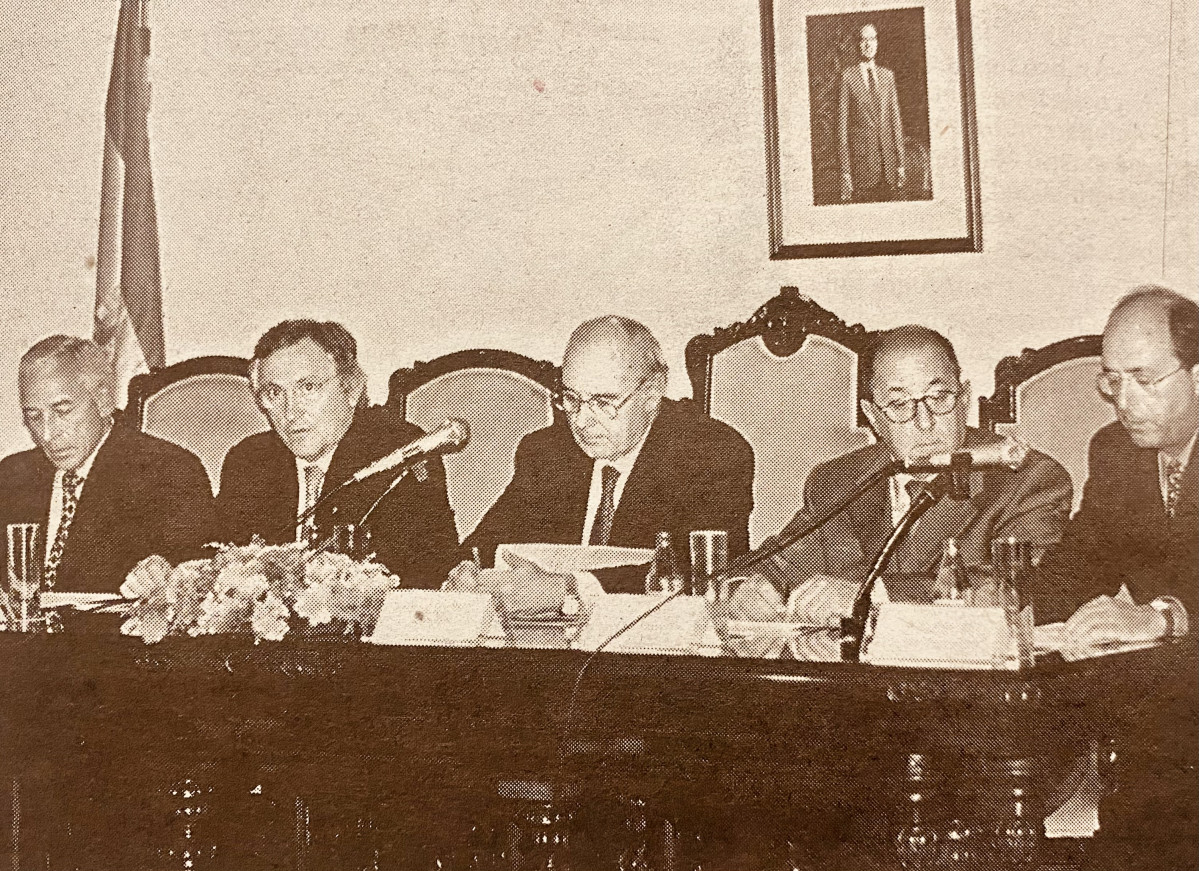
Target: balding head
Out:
[615,361]
[1151,367]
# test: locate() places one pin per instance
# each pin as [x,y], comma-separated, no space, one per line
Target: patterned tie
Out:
[313,479]
[70,500]
[1173,484]
[602,528]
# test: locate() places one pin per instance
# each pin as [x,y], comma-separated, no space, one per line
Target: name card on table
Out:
[433,618]
[679,626]
[940,636]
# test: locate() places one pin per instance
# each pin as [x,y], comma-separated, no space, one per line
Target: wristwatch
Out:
[1177,622]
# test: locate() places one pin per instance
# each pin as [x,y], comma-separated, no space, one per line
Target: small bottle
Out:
[664,575]
[951,574]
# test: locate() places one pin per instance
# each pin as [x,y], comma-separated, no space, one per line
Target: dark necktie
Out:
[602,527]
[70,500]
[1173,485]
[873,84]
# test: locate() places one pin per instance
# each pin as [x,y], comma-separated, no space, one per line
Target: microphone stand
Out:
[751,558]
[954,482]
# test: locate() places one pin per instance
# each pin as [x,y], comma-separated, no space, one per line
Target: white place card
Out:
[939,636]
[679,626]
[433,618]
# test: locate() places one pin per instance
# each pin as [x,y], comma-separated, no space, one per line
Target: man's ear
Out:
[871,413]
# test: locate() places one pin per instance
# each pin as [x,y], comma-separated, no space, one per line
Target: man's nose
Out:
[50,428]
[923,418]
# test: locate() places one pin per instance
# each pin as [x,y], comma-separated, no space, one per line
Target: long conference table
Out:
[324,752]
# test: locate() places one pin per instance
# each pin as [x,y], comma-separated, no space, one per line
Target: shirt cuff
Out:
[588,588]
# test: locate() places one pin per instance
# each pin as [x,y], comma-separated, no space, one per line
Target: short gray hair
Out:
[72,354]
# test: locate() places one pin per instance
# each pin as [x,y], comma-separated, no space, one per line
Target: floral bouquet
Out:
[257,588]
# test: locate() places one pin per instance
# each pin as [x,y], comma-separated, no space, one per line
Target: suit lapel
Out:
[642,487]
[99,506]
[870,516]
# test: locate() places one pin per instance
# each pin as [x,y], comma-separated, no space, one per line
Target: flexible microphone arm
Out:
[853,627]
[752,558]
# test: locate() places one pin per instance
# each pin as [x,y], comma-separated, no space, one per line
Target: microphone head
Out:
[1012,453]
[457,433]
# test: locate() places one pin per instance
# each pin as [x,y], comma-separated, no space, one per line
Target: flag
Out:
[128,278]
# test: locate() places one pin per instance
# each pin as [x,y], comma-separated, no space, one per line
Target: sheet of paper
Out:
[432,617]
[677,627]
[61,599]
[937,636]
[569,558]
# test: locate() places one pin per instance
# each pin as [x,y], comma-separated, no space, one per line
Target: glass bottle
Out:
[951,574]
[664,575]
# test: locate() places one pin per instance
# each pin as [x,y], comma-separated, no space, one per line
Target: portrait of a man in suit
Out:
[869,107]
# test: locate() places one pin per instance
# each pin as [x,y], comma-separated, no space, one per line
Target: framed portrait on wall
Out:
[871,138]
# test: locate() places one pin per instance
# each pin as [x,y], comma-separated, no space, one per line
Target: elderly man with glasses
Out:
[308,383]
[622,463]
[917,407]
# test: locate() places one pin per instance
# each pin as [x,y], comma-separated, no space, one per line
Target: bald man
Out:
[622,462]
[1129,557]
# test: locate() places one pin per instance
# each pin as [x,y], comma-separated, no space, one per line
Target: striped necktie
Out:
[602,527]
[70,501]
[1173,484]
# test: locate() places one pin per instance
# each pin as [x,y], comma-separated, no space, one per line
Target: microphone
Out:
[1008,453]
[450,436]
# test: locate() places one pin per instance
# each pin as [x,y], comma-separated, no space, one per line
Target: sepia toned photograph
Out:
[596,437]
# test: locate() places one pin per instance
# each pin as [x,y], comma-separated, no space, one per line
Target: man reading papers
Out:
[624,464]
[106,495]
[917,407]
[307,380]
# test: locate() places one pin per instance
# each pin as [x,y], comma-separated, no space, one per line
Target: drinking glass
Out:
[710,563]
[24,575]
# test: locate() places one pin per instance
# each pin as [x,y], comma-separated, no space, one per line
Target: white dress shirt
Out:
[867,66]
[56,494]
[595,495]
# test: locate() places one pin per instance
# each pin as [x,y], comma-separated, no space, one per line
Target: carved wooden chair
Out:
[787,380]
[1047,397]
[501,395]
[204,404]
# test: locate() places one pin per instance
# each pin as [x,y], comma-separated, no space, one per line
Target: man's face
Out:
[912,373]
[600,371]
[304,399]
[868,42]
[1164,415]
[66,413]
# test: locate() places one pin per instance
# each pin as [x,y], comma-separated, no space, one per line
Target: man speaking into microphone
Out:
[307,381]
[917,406]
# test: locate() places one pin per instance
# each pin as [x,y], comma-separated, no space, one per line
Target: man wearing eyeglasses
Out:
[917,407]
[1130,555]
[622,463]
[308,383]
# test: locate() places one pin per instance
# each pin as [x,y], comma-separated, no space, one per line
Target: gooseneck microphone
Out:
[449,437]
[1008,453]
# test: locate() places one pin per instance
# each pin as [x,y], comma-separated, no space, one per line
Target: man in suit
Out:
[307,380]
[106,495]
[869,128]
[1130,555]
[622,463]
[917,407]
[1130,558]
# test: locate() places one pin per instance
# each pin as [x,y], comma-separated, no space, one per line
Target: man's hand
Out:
[900,176]
[846,187]
[527,588]
[1107,620]
[821,600]
[756,599]
[463,578]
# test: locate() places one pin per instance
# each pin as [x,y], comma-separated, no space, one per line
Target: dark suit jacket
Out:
[143,496]
[412,530]
[1031,504]
[692,473]
[1122,534]
[869,131]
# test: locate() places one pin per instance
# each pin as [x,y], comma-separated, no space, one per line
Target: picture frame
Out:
[871,132]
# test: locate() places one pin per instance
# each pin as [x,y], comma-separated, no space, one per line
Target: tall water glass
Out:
[24,575]
[710,563]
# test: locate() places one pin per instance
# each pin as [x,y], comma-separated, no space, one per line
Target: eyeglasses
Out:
[603,406]
[303,391]
[1109,383]
[938,403]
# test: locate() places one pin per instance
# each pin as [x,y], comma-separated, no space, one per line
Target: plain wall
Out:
[440,175]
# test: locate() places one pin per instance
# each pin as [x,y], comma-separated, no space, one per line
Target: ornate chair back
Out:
[501,395]
[787,380]
[204,404]
[1047,397]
